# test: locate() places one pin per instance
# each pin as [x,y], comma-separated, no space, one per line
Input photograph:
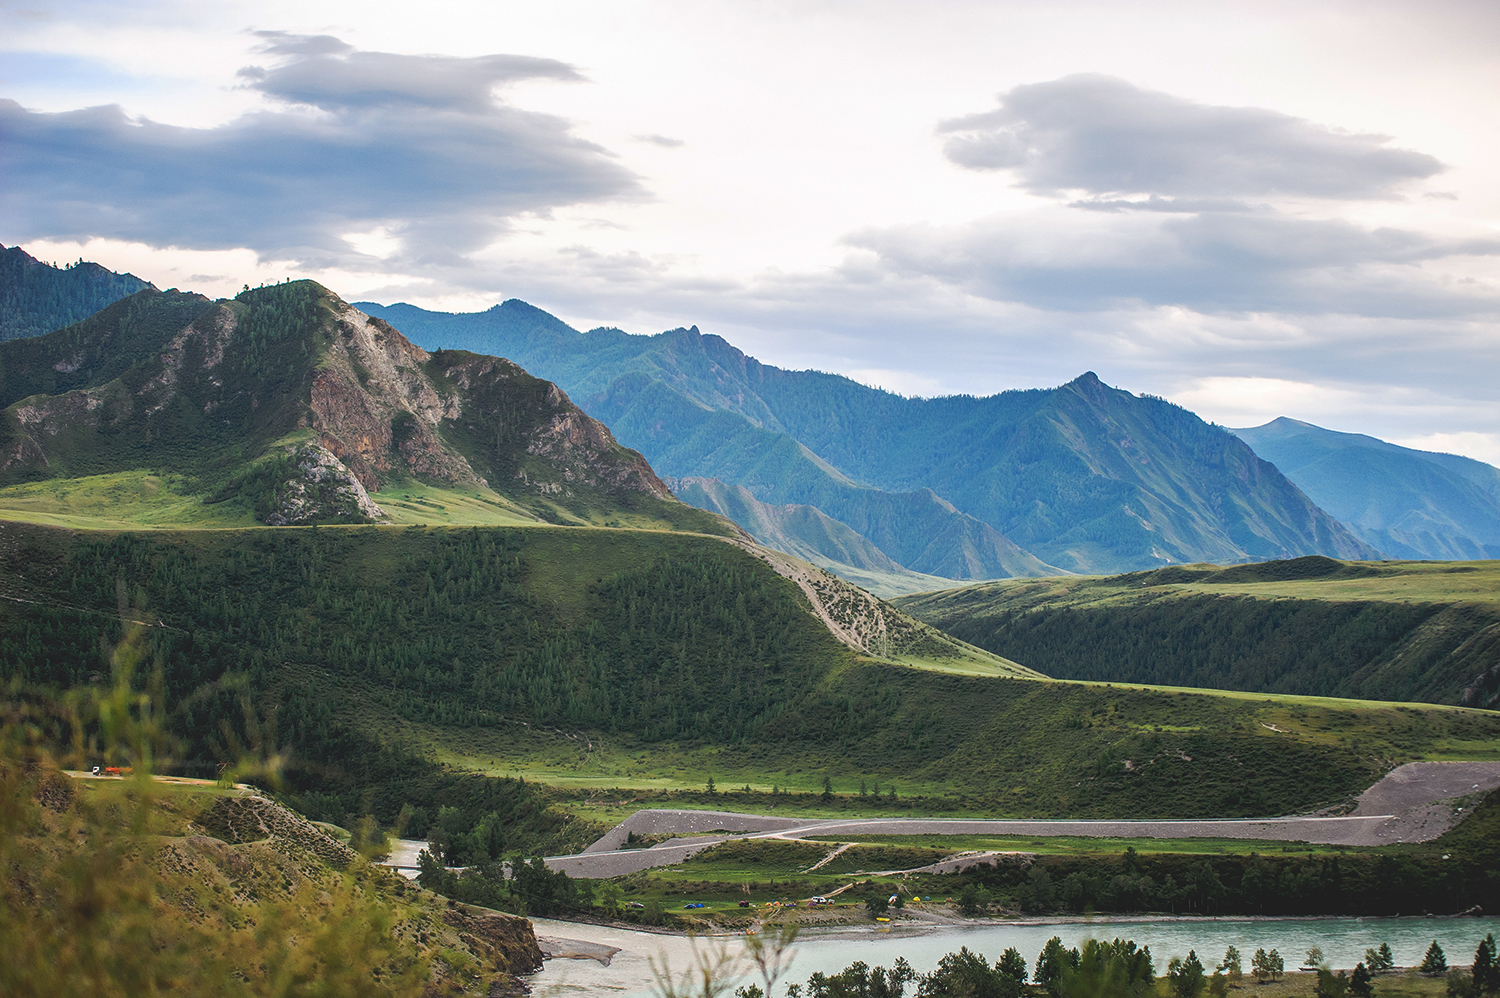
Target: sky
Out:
[1253,209]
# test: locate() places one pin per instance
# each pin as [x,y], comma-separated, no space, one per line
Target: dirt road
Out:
[1413,803]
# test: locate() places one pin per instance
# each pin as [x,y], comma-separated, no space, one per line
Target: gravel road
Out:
[1412,803]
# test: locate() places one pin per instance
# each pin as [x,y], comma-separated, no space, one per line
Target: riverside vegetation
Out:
[1119,968]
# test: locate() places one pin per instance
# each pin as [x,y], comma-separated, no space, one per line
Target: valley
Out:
[423,594]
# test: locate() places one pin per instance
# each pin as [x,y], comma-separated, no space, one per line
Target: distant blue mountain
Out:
[1083,477]
[1408,503]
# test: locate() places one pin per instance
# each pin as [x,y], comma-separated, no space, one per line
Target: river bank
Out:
[629,971]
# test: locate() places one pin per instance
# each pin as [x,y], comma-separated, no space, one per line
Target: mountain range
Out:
[1082,478]
[903,494]
[287,406]
[1408,503]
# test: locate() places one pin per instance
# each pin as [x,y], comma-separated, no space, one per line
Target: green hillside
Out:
[36,298]
[667,651]
[1417,631]
[1408,503]
[1083,477]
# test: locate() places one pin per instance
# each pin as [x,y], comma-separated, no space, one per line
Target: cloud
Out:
[419,147]
[665,141]
[326,73]
[1211,263]
[1112,139]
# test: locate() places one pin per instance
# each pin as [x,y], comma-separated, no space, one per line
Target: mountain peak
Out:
[36,297]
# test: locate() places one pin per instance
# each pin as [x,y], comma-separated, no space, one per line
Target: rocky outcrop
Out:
[527,430]
[872,626]
[374,407]
[321,488]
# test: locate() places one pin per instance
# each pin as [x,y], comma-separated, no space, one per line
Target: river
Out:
[1343,941]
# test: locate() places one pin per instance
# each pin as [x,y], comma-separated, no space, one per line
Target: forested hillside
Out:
[1312,626]
[317,644]
[36,298]
[1408,503]
[1083,477]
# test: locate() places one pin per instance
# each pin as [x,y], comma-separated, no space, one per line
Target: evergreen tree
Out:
[1231,965]
[1186,976]
[1486,972]
[1013,965]
[1052,962]
[1361,985]
[1435,962]
[1331,985]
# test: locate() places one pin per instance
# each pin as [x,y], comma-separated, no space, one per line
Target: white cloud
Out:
[1481,446]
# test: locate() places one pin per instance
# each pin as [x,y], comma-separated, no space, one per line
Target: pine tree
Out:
[1231,965]
[1434,962]
[1187,976]
[1260,964]
[1361,985]
[1486,972]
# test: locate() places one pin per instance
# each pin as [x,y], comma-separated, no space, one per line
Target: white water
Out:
[1343,941]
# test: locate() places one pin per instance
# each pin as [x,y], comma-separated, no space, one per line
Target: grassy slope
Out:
[1387,631]
[630,658]
[134,895]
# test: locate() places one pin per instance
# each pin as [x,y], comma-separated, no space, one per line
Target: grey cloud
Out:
[665,141]
[1113,139]
[415,144]
[1210,263]
[287,43]
[326,73]
[1155,203]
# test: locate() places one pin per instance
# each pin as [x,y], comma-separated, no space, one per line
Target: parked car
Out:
[634,904]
